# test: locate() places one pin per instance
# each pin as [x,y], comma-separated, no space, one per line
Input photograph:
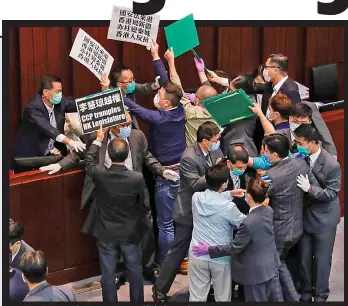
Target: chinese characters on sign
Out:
[104,108]
[130,27]
[91,54]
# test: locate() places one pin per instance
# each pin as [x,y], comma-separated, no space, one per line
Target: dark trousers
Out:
[108,255]
[269,291]
[286,282]
[315,272]
[293,262]
[176,254]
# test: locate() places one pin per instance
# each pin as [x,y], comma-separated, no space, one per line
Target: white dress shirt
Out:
[15,254]
[251,208]
[236,180]
[276,89]
[313,158]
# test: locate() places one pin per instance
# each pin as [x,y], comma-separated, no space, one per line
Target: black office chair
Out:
[324,86]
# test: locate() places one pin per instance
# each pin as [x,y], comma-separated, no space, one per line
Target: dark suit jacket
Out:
[140,155]
[192,179]
[23,248]
[323,210]
[35,130]
[255,258]
[242,205]
[120,201]
[286,199]
[47,293]
[240,132]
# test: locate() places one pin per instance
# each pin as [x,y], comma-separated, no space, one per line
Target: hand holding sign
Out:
[101,133]
[169,55]
[154,48]
[199,64]
[105,82]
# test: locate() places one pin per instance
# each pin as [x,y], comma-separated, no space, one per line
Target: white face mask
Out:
[266,76]
[156,101]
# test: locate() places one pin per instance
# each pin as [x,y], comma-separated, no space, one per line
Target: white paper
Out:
[129,27]
[91,54]
[303,90]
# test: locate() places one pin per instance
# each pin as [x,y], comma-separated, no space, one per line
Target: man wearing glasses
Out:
[275,73]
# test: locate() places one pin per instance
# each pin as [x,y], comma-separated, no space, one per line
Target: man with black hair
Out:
[193,164]
[321,215]
[42,126]
[275,72]
[286,200]
[17,246]
[120,217]
[34,273]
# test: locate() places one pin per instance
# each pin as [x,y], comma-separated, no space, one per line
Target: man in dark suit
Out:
[321,216]
[17,246]
[286,200]
[275,72]
[139,155]
[120,216]
[34,272]
[255,237]
[42,126]
[193,164]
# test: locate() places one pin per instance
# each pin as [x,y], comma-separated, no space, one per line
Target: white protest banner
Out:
[133,28]
[106,108]
[91,54]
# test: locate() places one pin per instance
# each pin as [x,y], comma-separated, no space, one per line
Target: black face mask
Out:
[260,87]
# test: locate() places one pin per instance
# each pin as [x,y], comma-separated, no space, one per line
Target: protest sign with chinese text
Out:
[105,108]
[91,54]
[133,28]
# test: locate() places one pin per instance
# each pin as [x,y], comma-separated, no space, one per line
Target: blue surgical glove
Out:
[260,162]
[266,179]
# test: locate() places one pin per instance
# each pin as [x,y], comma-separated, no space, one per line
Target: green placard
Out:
[182,35]
[229,107]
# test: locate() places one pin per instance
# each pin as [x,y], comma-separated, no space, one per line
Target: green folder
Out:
[182,35]
[229,107]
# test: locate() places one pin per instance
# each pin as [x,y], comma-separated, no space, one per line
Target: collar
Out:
[292,136]
[48,108]
[38,288]
[279,84]
[251,208]
[204,153]
[315,156]
[282,126]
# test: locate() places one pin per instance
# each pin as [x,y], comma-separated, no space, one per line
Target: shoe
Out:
[151,274]
[120,281]
[158,296]
[184,267]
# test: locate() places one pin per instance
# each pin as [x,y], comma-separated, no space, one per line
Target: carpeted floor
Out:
[179,290]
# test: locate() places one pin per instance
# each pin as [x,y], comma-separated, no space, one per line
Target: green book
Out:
[229,107]
[182,35]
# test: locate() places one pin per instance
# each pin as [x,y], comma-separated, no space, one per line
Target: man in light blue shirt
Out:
[214,215]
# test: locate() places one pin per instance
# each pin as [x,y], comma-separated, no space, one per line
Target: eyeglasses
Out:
[125,124]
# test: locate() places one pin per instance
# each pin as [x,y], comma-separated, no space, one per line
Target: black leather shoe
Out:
[120,281]
[211,297]
[151,274]
[158,296]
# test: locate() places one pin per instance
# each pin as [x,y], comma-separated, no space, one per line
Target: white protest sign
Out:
[133,28]
[91,54]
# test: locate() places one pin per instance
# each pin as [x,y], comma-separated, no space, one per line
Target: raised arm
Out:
[266,124]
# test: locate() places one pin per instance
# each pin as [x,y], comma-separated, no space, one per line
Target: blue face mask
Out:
[303,150]
[130,88]
[56,98]
[266,157]
[125,131]
[238,172]
[294,126]
[215,146]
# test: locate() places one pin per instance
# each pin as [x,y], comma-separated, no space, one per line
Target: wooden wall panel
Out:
[238,49]
[290,42]
[14,88]
[84,81]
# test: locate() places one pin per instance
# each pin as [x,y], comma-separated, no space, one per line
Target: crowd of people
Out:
[248,210]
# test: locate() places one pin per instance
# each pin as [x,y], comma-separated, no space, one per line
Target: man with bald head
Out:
[195,115]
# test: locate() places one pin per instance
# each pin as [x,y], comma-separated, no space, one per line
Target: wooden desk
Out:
[49,209]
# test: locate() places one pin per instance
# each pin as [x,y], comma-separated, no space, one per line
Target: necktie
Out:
[308,160]
[208,159]
[51,142]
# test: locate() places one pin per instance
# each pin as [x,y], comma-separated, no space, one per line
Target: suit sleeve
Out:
[148,115]
[189,171]
[294,96]
[332,188]
[70,105]
[143,89]
[42,123]
[149,160]
[237,246]
[91,159]
[160,71]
